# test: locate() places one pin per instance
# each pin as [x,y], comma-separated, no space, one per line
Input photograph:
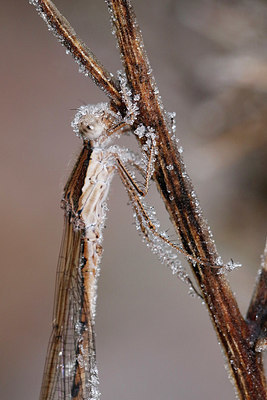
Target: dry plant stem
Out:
[232,330]
[234,335]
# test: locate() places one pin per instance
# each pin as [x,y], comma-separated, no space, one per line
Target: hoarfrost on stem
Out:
[130,101]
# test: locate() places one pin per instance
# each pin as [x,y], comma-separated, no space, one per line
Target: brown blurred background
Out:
[210,62]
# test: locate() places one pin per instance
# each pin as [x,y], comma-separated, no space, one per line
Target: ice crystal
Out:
[229,266]
[171,116]
[140,131]
[170,167]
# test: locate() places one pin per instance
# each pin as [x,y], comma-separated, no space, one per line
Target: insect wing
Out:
[70,368]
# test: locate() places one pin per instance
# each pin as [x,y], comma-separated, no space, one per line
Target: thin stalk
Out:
[180,200]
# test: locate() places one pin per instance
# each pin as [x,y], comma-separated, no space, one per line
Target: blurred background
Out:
[210,61]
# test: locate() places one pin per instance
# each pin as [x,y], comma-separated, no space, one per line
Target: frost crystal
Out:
[170,167]
[140,131]
[231,265]
[171,117]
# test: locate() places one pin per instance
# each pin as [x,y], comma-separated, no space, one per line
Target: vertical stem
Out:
[180,200]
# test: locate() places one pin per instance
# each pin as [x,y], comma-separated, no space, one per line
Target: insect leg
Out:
[148,173]
[152,236]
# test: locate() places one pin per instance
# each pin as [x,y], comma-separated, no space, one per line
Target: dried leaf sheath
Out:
[70,370]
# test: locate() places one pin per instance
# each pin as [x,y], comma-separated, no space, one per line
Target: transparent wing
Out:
[70,368]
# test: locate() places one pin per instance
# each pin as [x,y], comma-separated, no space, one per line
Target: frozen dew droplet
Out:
[231,265]
[140,131]
[170,167]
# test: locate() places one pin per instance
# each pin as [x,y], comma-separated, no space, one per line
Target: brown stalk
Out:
[177,192]
[237,336]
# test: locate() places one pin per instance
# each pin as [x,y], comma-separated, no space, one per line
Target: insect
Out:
[70,368]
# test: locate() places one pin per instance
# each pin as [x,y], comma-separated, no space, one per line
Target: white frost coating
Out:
[129,100]
[264,259]
[141,131]
[149,148]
